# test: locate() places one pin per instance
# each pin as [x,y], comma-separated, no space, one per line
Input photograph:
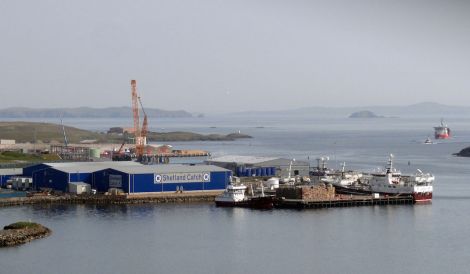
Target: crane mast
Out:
[140,133]
[144,130]
[135,108]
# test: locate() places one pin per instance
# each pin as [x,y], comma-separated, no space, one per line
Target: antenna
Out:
[66,143]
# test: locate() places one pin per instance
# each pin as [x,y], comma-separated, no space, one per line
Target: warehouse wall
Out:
[50,178]
[4,179]
[100,180]
[81,177]
[29,170]
[141,183]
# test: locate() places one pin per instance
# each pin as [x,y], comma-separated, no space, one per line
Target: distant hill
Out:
[86,112]
[364,114]
[45,132]
[421,109]
[24,132]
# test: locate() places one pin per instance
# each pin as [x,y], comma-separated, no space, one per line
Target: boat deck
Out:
[345,202]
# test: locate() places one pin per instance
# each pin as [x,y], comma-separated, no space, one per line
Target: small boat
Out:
[428,141]
[234,196]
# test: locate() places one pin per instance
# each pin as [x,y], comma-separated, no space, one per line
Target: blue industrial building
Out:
[130,177]
[247,166]
[57,175]
[162,178]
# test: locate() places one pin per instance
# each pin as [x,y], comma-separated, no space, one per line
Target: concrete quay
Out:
[157,198]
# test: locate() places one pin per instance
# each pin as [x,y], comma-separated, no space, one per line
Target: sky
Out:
[225,56]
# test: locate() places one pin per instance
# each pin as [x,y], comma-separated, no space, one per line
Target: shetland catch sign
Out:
[168,178]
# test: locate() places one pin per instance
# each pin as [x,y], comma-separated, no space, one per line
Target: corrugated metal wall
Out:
[47,177]
[28,171]
[100,180]
[81,177]
[4,179]
[50,178]
[145,183]
[141,183]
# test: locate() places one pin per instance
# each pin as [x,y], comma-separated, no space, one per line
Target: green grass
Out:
[45,132]
[21,225]
[14,156]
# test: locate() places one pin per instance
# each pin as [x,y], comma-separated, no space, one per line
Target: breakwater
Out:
[207,196]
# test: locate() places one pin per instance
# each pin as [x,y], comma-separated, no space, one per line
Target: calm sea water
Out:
[200,238]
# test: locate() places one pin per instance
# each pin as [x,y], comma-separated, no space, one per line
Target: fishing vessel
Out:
[234,196]
[442,131]
[392,182]
[347,182]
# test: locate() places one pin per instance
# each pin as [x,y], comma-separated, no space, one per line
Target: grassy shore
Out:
[13,156]
[24,132]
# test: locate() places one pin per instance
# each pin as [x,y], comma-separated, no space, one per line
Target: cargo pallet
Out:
[363,201]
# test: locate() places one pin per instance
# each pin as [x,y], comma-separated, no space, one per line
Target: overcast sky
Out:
[223,56]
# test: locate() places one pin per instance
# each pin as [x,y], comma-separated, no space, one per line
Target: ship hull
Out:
[351,190]
[418,197]
[422,197]
[266,202]
[442,136]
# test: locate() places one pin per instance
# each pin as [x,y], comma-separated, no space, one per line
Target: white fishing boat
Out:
[392,182]
[235,196]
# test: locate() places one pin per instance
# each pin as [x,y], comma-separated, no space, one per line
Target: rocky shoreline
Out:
[22,232]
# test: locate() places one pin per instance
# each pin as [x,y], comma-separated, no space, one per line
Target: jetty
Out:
[324,196]
[99,199]
[344,202]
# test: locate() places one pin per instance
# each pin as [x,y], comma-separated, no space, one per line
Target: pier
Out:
[158,198]
[344,202]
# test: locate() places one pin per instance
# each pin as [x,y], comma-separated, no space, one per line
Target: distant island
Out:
[364,114]
[24,132]
[464,152]
[87,112]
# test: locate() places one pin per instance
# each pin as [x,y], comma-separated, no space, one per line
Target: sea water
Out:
[200,238]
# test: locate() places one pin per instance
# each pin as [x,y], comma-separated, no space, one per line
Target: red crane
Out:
[139,133]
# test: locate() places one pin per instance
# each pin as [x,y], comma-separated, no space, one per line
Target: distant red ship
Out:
[442,131]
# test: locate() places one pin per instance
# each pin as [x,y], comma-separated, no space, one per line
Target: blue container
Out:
[263,171]
[239,171]
[273,171]
[258,171]
[248,172]
[268,171]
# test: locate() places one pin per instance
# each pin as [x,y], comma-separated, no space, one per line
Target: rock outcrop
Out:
[464,152]
[22,232]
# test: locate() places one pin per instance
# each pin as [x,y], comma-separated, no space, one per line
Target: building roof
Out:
[241,159]
[168,168]
[88,167]
[285,162]
[256,160]
[11,171]
[130,167]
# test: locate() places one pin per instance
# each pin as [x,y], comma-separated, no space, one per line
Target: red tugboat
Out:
[442,131]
